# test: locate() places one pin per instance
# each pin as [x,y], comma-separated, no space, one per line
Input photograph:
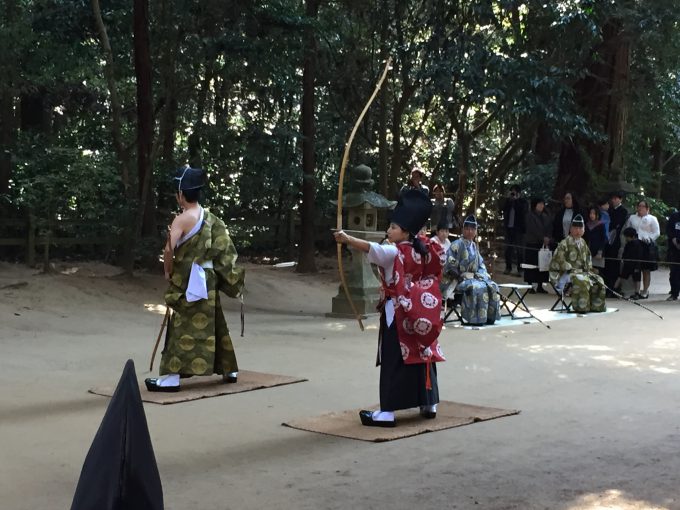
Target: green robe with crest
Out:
[197,341]
[573,258]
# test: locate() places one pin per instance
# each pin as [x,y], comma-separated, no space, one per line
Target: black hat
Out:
[471,221]
[412,211]
[189,178]
[577,221]
[120,472]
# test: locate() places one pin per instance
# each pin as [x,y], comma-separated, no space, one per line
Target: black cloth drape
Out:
[120,472]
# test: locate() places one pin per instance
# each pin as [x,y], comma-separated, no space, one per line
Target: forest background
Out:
[101,102]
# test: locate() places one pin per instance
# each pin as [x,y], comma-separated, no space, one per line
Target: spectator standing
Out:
[537,235]
[415,182]
[603,207]
[442,209]
[673,233]
[632,266]
[647,228]
[562,221]
[596,237]
[514,216]
[618,215]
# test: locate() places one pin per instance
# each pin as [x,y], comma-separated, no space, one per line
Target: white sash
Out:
[197,288]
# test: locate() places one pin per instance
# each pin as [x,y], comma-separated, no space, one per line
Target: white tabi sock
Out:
[232,374]
[383,415]
[168,380]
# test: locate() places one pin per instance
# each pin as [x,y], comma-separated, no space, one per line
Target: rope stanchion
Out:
[660,262]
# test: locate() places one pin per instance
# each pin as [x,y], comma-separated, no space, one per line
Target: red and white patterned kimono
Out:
[410,324]
[414,290]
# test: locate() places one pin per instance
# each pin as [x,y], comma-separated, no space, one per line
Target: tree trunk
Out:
[8,126]
[7,135]
[194,144]
[618,108]
[145,128]
[544,145]
[572,175]
[442,159]
[383,172]
[603,95]
[33,112]
[463,141]
[128,237]
[306,261]
[657,167]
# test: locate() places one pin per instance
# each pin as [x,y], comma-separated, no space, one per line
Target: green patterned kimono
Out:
[572,262]
[197,340]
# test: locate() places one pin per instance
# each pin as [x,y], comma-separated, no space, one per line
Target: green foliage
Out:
[62,182]
[472,85]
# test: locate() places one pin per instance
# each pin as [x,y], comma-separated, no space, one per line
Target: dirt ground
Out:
[600,402]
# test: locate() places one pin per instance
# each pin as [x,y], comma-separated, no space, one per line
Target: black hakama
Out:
[402,386]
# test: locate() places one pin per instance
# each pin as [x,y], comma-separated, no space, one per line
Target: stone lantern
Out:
[361,205]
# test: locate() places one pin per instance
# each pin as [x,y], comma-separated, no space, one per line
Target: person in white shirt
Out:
[647,228]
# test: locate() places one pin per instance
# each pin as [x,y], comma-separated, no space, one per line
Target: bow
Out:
[343,167]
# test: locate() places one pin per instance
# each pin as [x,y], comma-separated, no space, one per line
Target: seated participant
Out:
[465,269]
[572,265]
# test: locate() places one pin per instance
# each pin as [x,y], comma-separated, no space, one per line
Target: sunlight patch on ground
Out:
[612,500]
[156,308]
[619,362]
[477,368]
[541,348]
[665,343]
[663,370]
[336,326]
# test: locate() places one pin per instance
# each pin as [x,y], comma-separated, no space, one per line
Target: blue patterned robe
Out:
[481,303]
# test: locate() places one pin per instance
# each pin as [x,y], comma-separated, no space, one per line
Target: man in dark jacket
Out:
[673,233]
[514,215]
[618,215]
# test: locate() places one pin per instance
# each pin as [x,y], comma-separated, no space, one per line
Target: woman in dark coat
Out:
[538,230]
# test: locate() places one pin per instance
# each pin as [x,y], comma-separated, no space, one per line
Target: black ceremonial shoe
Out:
[430,415]
[229,378]
[367,419]
[152,385]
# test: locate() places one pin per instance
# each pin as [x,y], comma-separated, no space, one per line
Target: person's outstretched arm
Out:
[359,244]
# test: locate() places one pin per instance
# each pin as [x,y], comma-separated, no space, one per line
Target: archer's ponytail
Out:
[418,245]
